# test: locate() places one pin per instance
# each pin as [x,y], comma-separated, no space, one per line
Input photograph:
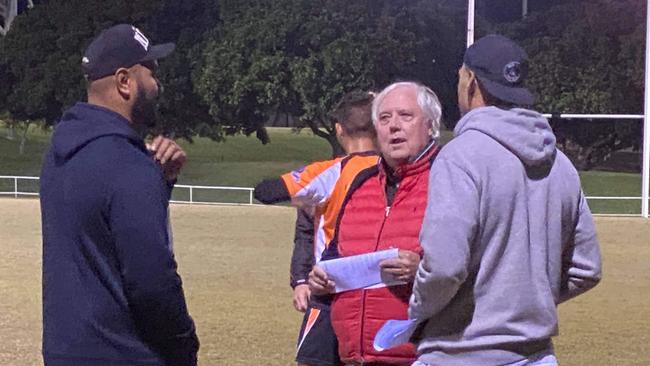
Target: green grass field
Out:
[234,263]
[243,161]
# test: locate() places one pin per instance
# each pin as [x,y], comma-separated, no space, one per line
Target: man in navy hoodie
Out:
[111,293]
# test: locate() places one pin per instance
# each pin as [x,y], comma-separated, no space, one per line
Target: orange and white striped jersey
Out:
[323,186]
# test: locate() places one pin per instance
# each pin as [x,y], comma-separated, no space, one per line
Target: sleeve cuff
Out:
[295,283]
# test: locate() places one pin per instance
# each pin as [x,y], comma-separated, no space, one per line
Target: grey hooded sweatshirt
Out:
[507,236]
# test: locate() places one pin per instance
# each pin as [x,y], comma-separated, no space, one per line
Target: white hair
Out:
[427,100]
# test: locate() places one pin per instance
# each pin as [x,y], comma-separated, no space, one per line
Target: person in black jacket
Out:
[111,291]
[302,259]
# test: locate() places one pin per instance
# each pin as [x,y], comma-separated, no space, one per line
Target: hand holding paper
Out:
[402,268]
[319,282]
[358,271]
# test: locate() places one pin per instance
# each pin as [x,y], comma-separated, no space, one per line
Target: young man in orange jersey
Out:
[320,188]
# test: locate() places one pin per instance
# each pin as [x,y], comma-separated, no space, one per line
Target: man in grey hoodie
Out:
[507,234]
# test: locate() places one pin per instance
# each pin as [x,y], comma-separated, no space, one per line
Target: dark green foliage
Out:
[240,63]
[588,57]
[183,113]
[299,57]
[41,56]
[44,47]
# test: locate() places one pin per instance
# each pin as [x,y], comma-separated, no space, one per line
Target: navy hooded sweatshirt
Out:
[111,292]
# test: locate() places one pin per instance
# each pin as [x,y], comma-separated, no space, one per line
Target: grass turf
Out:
[234,263]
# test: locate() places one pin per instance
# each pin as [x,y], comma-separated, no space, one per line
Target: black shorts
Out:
[317,344]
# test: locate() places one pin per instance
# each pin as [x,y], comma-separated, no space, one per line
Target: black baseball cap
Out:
[122,45]
[501,67]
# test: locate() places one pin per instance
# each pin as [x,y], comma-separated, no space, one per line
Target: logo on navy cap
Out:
[140,37]
[512,72]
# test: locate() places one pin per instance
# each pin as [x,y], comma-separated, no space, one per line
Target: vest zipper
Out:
[363,323]
[363,293]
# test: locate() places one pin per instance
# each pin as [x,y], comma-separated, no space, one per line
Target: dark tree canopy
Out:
[44,47]
[183,113]
[300,57]
[583,61]
[240,63]
[41,56]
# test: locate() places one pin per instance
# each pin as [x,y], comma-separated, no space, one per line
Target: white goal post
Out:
[8,12]
[645,181]
[645,175]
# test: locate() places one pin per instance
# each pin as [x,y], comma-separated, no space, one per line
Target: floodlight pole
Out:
[470,22]
[645,179]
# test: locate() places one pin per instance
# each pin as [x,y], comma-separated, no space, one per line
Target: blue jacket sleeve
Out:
[448,228]
[139,223]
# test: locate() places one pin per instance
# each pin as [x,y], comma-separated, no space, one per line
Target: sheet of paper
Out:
[357,271]
[393,333]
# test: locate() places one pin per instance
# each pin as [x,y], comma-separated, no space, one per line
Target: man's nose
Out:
[394,123]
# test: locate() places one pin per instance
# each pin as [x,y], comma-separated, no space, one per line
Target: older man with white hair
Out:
[384,209]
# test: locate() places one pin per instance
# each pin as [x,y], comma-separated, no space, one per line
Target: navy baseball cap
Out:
[122,45]
[501,67]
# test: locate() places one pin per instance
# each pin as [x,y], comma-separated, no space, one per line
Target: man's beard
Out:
[145,110]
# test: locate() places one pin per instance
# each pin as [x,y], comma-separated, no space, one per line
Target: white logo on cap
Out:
[85,60]
[138,36]
[512,72]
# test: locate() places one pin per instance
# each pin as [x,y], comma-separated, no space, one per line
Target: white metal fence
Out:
[192,193]
[13,182]
[19,186]
[645,173]
[644,210]
[11,186]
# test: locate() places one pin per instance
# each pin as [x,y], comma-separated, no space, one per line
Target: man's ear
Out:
[339,129]
[472,83]
[123,80]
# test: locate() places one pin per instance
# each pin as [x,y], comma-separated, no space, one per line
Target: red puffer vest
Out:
[366,225]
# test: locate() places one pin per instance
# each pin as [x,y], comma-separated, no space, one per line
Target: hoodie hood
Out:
[525,133]
[84,123]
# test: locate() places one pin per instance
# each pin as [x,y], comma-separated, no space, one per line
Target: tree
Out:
[239,62]
[41,58]
[299,57]
[365,49]
[584,62]
[42,55]
[6,80]
[184,114]
[44,50]
[246,74]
